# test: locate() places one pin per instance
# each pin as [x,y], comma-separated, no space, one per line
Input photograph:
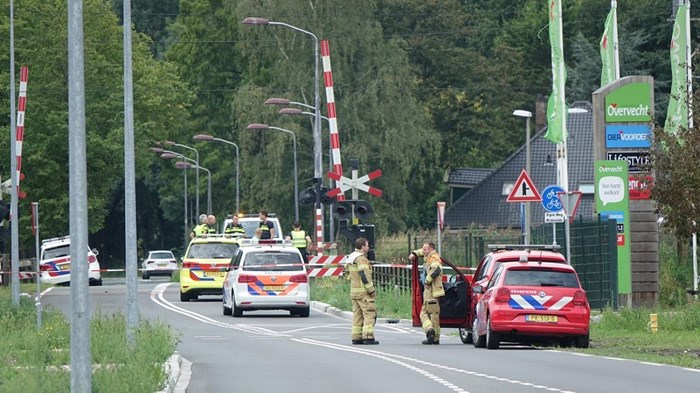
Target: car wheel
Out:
[145,275]
[465,336]
[304,312]
[582,341]
[493,339]
[184,297]
[479,341]
[95,283]
[227,310]
[235,311]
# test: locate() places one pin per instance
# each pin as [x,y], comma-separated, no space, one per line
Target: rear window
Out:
[162,255]
[211,250]
[57,252]
[272,260]
[541,278]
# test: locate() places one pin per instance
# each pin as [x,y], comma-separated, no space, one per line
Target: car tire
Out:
[582,341]
[466,336]
[478,340]
[227,310]
[184,297]
[145,275]
[235,311]
[493,339]
[304,312]
[95,283]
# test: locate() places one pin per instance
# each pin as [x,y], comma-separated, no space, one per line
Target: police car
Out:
[532,302]
[250,222]
[268,275]
[55,262]
[204,265]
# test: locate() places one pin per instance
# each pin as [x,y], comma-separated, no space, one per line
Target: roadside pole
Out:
[35,227]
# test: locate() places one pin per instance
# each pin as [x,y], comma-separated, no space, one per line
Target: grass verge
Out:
[35,359]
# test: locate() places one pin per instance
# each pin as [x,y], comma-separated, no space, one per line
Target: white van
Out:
[55,263]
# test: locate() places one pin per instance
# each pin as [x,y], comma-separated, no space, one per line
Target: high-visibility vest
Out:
[234,228]
[265,231]
[299,239]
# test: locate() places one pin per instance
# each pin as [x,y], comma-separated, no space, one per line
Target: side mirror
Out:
[477,289]
[94,251]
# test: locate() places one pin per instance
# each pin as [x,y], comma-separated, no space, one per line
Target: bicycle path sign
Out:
[550,199]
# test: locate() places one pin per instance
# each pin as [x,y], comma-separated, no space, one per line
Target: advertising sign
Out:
[640,186]
[629,103]
[612,202]
[627,135]
[637,161]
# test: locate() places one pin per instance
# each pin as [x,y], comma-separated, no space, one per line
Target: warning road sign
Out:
[524,190]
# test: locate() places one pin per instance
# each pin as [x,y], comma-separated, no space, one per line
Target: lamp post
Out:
[186,224]
[205,137]
[196,153]
[255,126]
[187,165]
[527,115]
[318,165]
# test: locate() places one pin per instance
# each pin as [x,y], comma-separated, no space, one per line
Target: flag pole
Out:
[613,6]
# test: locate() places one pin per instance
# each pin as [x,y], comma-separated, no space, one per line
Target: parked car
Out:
[55,262]
[269,275]
[501,253]
[158,263]
[204,265]
[531,302]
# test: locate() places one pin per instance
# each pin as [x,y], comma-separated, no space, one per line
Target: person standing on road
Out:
[300,240]
[268,227]
[432,293]
[362,294]
[201,229]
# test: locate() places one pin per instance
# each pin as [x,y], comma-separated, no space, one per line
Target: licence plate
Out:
[64,267]
[542,318]
[162,264]
[212,274]
[276,288]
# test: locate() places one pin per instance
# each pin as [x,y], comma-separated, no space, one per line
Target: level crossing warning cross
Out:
[524,190]
[344,183]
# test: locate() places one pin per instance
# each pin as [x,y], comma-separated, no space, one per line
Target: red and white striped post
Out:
[21,106]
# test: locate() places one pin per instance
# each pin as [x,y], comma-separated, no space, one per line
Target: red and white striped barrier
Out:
[332,119]
[326,266]
[21,106]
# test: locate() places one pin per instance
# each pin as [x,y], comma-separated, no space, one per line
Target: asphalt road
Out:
[272,351]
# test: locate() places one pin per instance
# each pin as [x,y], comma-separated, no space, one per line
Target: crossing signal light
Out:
[363,210]
[307,197]
[342,210]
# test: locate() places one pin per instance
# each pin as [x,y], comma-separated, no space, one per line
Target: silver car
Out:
[158,263]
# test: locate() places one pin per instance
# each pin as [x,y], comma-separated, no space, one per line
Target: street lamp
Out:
[162,154]
[318,165]
[205,137]
[171,143]
[255,126]
[187,165]
[527,115]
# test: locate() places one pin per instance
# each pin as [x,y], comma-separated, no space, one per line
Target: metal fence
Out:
[593,254]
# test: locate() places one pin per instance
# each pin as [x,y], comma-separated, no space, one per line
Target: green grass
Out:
[336,292]
[30,358]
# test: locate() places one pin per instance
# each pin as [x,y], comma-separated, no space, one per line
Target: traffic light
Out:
[342,210]
[325,199]
[363,210]
[4,211]
[307,197]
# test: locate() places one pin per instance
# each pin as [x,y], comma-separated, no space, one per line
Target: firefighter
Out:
[233,227]
[432,293]
[300,240]
[267,226]
[201,229]
[362,294]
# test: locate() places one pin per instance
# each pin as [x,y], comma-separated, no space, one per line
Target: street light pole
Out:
[528,219]
[318,164]
[187,165]
[294,145]
[196,153]
[205,137]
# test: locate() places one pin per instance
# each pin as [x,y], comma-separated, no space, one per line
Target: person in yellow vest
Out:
[432,293]
[268,227]
[234,227]
[300,240]
[211,224]
[362,294]
[201,229]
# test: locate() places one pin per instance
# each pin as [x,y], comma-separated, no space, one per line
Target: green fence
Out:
[593,254]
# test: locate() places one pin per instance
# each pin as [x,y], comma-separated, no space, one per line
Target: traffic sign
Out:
[550,217]
[345,183]
[524,190]
[550,200]
[570,202]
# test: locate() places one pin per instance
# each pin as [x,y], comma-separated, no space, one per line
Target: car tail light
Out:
[580,298]
[299,278]
[45,268]
[189,265]
[503,295]
[91,259]
[244,278]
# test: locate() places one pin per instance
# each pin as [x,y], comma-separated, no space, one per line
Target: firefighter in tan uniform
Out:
[433,291]
[362,294]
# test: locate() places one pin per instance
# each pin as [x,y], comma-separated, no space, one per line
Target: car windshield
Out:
[162,255]
[211,250]
[57,252]
[272,260]
[250,227]
[541,278]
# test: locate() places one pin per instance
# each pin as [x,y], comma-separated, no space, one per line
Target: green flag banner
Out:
[677,115]
[607,48]
[556,107]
